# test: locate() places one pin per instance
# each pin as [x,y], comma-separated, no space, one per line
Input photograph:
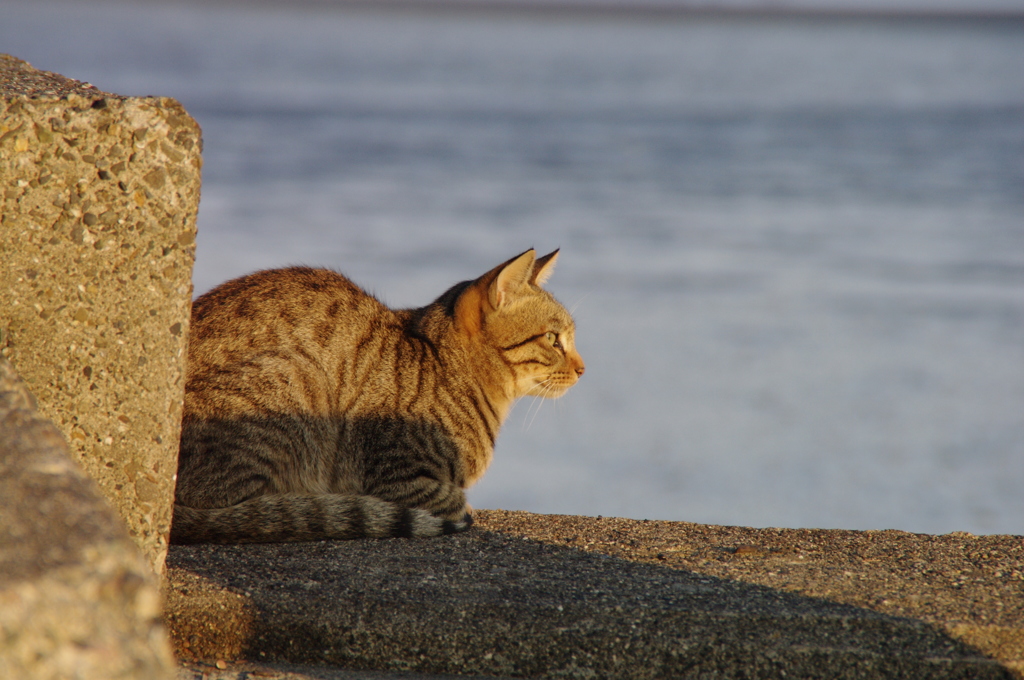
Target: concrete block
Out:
[98,200]
[77,598]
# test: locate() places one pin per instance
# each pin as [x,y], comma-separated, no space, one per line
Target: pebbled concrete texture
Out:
[98,200]
[77,599]
[527,595]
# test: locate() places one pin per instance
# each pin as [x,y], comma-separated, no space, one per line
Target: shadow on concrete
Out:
[490,603]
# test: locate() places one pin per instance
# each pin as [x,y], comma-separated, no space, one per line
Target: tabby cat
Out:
[313,411]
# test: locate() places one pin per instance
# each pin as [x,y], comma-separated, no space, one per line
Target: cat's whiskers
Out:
[528,417]
[546,387]
[534,407]
[572,310]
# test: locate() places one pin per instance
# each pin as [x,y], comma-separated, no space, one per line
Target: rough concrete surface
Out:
[77,599]
[554,596]
[198,670]
[98,200]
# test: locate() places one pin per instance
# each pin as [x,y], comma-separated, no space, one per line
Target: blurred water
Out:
[794,248]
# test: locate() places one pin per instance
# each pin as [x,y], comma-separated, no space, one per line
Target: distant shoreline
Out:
[625,8]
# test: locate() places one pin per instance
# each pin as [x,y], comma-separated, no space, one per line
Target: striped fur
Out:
[313,411]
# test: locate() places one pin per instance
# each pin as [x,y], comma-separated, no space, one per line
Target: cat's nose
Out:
[579,369]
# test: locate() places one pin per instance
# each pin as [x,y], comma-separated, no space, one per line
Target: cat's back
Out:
[279,308]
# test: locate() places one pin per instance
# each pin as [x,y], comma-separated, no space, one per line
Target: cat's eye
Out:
[553,339]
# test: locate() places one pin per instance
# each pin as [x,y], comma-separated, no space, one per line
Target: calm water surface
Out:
[794,248]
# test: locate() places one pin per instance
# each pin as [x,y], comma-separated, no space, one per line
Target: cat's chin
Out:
[548,390]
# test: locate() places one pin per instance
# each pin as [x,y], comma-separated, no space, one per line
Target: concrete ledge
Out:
[98,199]
[554,596]
[77,599]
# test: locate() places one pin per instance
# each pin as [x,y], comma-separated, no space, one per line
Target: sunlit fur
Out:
[313,411]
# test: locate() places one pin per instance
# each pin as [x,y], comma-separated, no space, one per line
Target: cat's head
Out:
[531,331]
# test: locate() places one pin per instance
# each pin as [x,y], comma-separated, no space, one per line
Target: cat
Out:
[313,411]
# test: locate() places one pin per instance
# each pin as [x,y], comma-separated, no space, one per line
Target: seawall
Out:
[99,195]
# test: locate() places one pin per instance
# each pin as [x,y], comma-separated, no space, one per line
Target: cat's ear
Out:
[543,268]
[492,290]
[512,276]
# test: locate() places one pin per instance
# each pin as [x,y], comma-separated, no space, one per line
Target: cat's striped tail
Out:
[307,517]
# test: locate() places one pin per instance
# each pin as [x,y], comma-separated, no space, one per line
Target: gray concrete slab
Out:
[553,596]
[77,598]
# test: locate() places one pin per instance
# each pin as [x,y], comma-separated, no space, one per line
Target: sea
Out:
[793,245]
